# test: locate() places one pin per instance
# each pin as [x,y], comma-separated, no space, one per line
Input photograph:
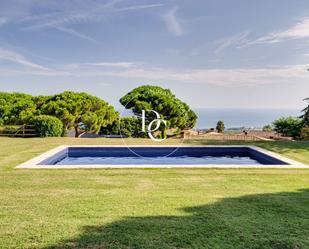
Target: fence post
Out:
[23,131]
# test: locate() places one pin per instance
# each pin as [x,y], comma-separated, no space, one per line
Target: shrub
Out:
[288,127]
[268,128]
[129,127]
[304,133]
[47,126]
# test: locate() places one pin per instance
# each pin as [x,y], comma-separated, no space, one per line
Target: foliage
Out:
[305,116]
[268,128]
[71,108]
[128,126]
[304,133]
[9,129]
[74,109]
[47,126]
[16,108]
[220,126]
[289,126]
[177,113]
[111,129]
[131,127]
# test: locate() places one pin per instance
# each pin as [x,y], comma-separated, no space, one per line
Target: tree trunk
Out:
[163,134]
[76,130]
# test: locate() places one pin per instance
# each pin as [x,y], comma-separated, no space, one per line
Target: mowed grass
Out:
[298,151]
[166,208]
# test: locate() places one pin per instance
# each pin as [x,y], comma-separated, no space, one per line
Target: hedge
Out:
[47,126]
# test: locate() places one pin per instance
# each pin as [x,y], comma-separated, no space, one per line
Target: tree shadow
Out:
[276,221]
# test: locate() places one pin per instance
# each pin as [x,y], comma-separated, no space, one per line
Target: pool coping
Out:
[34,162]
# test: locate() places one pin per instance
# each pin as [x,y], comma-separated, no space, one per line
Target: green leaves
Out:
[16,108]
[220,126]
[177,113]
[75,108]
[289,126]
[70,107]
[47,126]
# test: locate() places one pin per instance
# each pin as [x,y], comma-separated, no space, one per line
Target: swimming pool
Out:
[158,157]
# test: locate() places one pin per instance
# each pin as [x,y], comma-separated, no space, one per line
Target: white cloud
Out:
[234,77]
[60,20]
[95,65]
[172,23]
[15,57]
[299,31]
[235,40]
[138,7]
[95,13]
[76,34]
[115,64]
[222,77]
[67,17]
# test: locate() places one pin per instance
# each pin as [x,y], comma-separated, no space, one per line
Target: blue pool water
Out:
[161,156]
[181,160]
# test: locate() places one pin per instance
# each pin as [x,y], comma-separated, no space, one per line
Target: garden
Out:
[149,208]
[143,208]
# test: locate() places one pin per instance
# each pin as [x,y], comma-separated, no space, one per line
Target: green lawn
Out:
[166,208]
[298,151]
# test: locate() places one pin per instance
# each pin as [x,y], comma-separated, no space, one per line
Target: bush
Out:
[304,133]
[47,126]
[268,128]
[288,127]
[129,127]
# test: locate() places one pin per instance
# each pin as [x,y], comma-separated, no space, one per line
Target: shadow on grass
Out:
[277,221]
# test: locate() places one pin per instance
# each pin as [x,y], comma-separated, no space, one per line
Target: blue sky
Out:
[211,53]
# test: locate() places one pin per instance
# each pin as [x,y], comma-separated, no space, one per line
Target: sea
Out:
[237,118]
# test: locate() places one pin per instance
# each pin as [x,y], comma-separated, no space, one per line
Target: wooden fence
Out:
[224,137]
[18,131]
